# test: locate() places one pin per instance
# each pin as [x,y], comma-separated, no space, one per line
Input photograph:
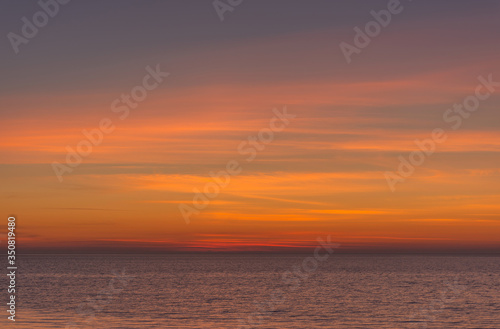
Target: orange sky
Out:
[322,175]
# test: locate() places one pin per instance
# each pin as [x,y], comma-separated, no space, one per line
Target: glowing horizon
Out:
[323,174]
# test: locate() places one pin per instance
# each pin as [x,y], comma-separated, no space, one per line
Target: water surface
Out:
[232,291]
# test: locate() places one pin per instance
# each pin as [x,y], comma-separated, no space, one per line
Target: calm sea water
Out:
[235,291]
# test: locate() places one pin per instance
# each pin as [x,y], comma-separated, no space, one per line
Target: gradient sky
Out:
[324,174]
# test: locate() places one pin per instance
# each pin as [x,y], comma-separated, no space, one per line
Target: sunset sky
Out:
[322,175]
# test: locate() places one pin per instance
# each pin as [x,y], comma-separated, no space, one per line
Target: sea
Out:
[255,291]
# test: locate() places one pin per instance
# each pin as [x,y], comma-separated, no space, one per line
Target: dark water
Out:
[214,291]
